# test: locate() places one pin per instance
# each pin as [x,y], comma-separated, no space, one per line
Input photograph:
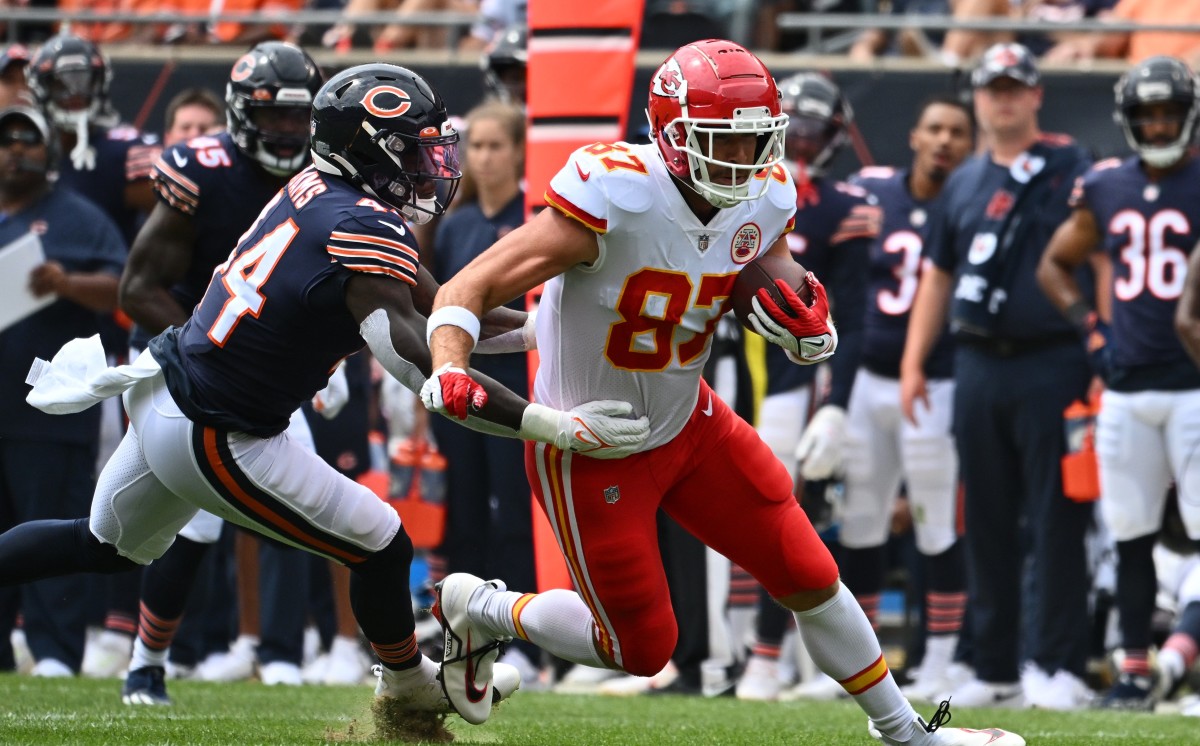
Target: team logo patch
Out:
[999,205]
[242,68]
[612,494]
[982,248]
[668,80]
[386,101]
[746,241]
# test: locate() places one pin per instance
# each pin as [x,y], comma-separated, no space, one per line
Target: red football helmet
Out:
[711,88]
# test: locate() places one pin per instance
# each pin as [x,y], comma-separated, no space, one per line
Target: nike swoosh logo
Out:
[474,693]
[582,175]
[587,436]
[707,411]
[181,162]
[398,228]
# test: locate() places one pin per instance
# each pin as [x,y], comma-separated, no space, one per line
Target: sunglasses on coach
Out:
[25,137]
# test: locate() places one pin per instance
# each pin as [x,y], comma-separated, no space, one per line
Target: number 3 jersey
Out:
[1148,229]
[894,272]
[636,324]
[273,322]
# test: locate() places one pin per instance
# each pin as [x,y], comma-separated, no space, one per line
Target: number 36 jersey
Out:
[1148,229]
[273,322]
[636,324]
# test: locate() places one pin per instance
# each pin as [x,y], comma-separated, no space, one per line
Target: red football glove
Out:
[452,391]
[806,332]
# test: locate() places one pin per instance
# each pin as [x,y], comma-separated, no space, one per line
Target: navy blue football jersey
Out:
[273,322]
[970,193]
[123,155]
[895,268]
[1149,229]
[222,190]
[835,223]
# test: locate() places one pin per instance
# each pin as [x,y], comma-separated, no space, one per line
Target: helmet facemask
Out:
[278,135]
[1159,155]
[697,139]
[417,175]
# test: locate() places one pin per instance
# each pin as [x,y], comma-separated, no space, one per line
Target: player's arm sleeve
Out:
[174,185]
[377,246]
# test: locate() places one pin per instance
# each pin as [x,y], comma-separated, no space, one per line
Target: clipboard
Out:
[17,260]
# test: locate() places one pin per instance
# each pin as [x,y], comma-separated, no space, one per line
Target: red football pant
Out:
[718,480]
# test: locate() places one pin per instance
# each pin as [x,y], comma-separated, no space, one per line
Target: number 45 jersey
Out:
[636,324]
[1148,229]
[273,322]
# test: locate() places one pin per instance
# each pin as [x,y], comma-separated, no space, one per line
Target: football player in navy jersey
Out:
[328,264]
[835,224]
[882,447]
[104,160]
[210,188]
[1143,213]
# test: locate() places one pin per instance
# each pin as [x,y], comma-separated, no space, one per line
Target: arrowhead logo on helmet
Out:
[382,108]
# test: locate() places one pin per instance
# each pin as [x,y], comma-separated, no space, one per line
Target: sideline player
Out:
[211,188]
[328,264]
[639,256]
[1144,214]
[882,447]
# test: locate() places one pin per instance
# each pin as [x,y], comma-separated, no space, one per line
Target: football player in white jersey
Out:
[639,255]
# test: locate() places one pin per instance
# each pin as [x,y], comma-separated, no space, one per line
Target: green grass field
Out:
[46,711]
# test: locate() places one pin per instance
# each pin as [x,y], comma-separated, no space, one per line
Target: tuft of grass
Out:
[90,713]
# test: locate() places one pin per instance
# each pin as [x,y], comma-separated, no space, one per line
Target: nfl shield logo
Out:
[612,494]
[702,242]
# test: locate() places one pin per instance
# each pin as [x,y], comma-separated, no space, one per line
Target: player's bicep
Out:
[161,251]
[1074,240]
[780,249]
[543,248]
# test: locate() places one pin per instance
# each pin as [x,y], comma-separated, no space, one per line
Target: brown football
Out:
[762,273]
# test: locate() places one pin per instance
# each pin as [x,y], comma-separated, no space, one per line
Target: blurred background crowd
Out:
[464,496]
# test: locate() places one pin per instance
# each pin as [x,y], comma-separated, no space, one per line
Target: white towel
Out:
[79,377]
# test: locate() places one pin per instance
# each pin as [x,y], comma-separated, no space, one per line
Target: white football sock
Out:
[557,621]
[144,656]
[842,644]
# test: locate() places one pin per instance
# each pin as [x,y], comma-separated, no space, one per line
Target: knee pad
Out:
[393,559]
[101,557]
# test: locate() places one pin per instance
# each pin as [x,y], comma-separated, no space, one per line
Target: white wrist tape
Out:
[540,423]
[453,316]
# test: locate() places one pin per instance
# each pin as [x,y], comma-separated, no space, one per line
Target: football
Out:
[762,273]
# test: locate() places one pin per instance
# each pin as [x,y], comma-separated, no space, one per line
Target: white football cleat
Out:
[470,652]
[426,693]
[976,693]
[939,735]
[822,688]
[760,680]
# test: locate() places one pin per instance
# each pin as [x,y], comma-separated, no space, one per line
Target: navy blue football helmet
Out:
[386,131]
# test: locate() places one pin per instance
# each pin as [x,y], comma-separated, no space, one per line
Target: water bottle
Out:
[433,477]
[1080,469]
[406,457]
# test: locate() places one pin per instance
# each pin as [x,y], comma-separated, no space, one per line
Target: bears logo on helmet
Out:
[370,104]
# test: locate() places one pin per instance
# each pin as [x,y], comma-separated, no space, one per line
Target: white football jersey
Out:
[636,325]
